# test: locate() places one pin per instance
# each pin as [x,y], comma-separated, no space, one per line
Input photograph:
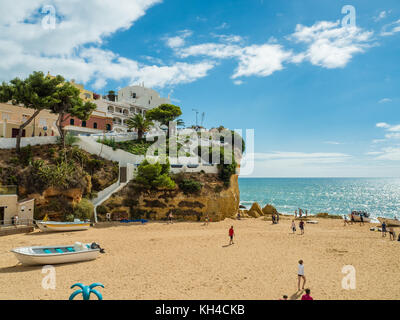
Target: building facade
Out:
[10,206]
[98,122]
[131,100]
[12,117]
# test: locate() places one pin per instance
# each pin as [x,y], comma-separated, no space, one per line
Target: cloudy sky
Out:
[320,91]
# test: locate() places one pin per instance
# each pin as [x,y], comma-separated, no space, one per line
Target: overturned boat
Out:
[57,254]
[390,222]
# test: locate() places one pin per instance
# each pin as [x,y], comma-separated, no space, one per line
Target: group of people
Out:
[275,218]
[302,213]
[301,226]
[391,231]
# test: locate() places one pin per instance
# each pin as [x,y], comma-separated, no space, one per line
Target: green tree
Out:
[69,104]
[37,92]
[165,113]
[140,123]
[153,176]
[111,95]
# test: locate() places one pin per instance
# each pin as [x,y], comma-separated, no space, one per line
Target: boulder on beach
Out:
[269,210]
[255,211]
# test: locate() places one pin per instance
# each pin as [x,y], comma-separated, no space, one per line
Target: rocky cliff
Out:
[213,199]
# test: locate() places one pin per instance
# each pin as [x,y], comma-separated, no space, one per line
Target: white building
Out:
[141,97]
[130,101]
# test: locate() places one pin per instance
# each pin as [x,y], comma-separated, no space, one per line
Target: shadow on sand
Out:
[296,295]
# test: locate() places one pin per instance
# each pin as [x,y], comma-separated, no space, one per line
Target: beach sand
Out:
[192,261]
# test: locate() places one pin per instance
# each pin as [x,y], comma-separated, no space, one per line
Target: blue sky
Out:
[322,98]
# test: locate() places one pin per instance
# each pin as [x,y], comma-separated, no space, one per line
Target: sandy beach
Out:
[192,261]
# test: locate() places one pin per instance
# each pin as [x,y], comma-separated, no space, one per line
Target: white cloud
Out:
[333,142]
[385,100]
[73,47]
[382,15]
[329,44]
[238,82]
[391,28]
[179,40]
[391,153]
[382,125]
[259,60]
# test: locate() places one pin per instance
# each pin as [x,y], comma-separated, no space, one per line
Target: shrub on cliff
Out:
[84,209]
[154,176]
[190,186]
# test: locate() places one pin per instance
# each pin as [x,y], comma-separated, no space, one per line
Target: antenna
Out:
[202,118]
[197,112]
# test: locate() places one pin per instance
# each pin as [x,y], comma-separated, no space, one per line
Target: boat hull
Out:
[358,219]
[48,226]
[390,222]
[27,256]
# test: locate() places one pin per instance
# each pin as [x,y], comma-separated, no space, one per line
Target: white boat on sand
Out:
[53,226]
[56,254]
[390,222]
[357,216]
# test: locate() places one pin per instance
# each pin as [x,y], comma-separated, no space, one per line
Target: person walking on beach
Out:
[384,229]
[301,226]
[206,220]
[277,217]
[273,218]
[352,218]
[345,220]
[392,234]
[170,217]
[293,226]
[307,295]
[231,234]
[361,219]
[295,213]
[300,275]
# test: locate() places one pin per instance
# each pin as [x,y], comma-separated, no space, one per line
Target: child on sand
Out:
[293,226]
[231,234]
[307,295]
[300,275]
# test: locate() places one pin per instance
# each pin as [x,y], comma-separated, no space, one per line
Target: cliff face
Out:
[213,199]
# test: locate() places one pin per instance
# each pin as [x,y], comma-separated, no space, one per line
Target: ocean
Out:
[337,196]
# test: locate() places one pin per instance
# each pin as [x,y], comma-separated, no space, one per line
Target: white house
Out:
[130,101]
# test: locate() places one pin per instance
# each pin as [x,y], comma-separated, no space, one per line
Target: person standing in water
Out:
[231,234]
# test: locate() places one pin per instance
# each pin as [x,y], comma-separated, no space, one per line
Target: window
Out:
[108,127]
[72,122]
[134,95]
[83,123]
[5,116]
[42,122]
[95,125]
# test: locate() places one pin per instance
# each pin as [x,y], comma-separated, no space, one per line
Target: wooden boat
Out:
[55,254]
[54,226]
[357,216]
[390,222]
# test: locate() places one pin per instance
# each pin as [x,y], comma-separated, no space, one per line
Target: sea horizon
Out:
[336,196]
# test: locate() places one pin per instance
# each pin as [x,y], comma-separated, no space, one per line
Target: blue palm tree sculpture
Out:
[86,291]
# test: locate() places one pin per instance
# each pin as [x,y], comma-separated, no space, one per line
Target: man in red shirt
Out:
[231,234]
[307,295]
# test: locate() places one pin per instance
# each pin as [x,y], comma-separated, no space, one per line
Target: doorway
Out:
[2,215]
